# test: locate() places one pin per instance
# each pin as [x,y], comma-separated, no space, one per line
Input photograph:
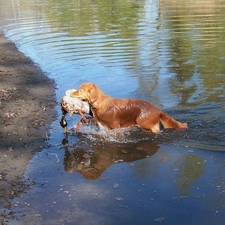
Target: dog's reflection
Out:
[91,164]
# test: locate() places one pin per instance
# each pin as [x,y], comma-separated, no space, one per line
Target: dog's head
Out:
[87,92]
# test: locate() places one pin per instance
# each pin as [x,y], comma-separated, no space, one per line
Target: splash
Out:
[121,135]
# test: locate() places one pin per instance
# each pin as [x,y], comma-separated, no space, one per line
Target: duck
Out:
[73,106]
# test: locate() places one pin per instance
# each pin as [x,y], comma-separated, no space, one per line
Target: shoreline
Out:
[27,109]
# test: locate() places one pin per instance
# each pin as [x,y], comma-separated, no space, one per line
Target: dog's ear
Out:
[92,93]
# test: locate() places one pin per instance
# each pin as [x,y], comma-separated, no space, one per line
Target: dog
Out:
[113,113]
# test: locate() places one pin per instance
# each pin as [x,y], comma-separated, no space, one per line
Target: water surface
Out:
[168,52]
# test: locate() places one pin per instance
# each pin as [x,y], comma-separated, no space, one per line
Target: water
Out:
[168,52]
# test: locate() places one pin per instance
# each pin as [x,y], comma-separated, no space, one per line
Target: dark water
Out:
[171,53]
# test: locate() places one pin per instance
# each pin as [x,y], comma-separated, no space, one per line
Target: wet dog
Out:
[113,113]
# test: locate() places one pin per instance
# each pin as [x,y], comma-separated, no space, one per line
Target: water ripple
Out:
[169,55]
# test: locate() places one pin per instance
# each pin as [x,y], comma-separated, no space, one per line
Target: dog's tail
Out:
[169,122]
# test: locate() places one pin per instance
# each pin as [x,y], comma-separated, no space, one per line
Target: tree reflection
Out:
[95,16]
[196,35]
[187,41]
[143,169]
[190,168]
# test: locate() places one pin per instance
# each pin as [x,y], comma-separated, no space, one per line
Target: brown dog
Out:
[117,113]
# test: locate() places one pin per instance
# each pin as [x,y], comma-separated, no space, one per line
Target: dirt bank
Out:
[27,102]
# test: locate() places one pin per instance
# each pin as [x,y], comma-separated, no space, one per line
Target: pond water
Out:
[169,52]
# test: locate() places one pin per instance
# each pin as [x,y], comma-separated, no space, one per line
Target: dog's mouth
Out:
[84,100]
[75,94]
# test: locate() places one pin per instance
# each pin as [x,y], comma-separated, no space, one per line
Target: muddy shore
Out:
[27,108]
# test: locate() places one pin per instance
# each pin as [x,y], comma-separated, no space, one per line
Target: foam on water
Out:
[120,135]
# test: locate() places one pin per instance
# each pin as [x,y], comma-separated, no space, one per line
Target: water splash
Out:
[121,135]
